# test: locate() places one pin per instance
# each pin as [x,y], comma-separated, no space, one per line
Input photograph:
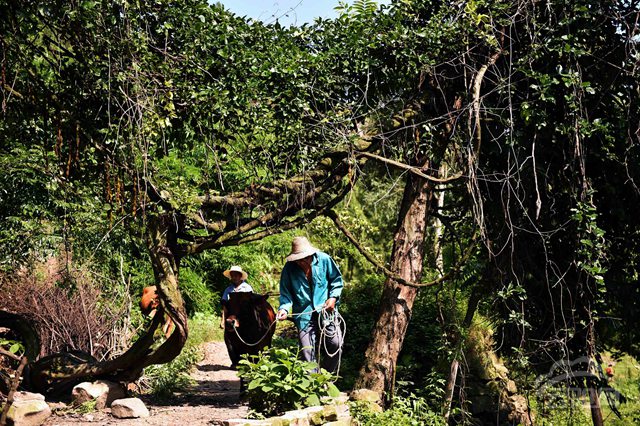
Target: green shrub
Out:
[404,411]
[197,296]
[13,346]
[277,380]
[204,328]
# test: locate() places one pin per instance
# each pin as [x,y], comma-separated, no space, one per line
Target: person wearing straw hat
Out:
[238,279]
[310,288]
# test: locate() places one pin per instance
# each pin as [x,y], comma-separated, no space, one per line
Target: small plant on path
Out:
[277,381]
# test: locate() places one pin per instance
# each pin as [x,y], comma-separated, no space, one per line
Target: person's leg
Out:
[308,343]
[331,344]
[233,356]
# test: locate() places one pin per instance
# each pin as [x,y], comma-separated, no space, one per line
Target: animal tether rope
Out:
[259,340]
[324,320]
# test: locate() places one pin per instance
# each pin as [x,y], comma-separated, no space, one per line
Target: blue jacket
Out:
[297,296]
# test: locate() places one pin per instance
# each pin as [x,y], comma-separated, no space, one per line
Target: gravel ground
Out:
[213,399]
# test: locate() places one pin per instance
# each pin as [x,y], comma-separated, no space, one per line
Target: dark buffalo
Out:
[249,325]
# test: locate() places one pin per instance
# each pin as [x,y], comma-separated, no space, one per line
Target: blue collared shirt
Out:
[243,286]
[297,296]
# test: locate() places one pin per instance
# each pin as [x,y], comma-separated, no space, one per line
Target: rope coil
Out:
[325,320]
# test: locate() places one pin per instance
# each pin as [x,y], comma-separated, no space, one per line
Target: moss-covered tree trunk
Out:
[378,371]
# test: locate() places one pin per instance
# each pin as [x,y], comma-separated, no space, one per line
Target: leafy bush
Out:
[197,296]
[277,380]
[13,346]
[405,411]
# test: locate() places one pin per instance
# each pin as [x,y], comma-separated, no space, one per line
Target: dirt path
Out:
[212,399]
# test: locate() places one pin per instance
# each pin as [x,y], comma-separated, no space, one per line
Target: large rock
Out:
[291,418]
[368,398]
[315,415]
[366,395]
[342,411]
[102,391]
[518,411]
[246,422]
[128,408]
[28,409]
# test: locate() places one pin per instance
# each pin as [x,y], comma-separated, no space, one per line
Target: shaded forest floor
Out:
[213,398]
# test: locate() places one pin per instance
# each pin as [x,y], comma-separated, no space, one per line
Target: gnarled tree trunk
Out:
[57,374]
[378,371]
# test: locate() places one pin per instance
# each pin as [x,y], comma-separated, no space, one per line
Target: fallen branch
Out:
[9,354]
[14,386]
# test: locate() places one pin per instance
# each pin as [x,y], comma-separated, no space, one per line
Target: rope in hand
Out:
[325,320]
[235,329]
[259,340]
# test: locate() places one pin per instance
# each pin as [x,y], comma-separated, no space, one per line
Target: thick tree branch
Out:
[302,200]
[255,195]
[477,84]
[12,91]
[209,226]
[416,171]
[9,355]
[294,223]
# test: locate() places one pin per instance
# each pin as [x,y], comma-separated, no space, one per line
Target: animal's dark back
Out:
[255,317]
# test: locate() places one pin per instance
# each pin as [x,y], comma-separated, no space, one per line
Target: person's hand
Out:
[222,324]
[330,304]
[282,315]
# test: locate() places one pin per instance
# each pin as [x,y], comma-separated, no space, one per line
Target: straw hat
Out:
[235,268]
[300,248]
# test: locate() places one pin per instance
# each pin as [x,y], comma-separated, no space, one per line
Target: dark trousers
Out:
[322,343]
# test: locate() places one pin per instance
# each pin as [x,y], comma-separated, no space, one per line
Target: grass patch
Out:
[626,380]
[405,411]
[576,411]
[163,380]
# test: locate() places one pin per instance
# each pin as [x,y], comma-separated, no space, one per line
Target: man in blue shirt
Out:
[310,288]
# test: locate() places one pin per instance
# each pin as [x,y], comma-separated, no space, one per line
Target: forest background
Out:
[486,151]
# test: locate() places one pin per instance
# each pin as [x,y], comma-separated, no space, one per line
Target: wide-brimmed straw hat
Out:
[235,268]
[300,248]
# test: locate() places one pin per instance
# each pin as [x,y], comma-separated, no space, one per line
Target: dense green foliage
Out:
[405,411]
[117,112]
[277,381]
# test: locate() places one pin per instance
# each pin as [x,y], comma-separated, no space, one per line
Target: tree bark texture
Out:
[596,410]
[378,371]
[451,384]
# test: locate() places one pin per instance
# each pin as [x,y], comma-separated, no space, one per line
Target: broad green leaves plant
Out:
[277,380]
[13,346]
